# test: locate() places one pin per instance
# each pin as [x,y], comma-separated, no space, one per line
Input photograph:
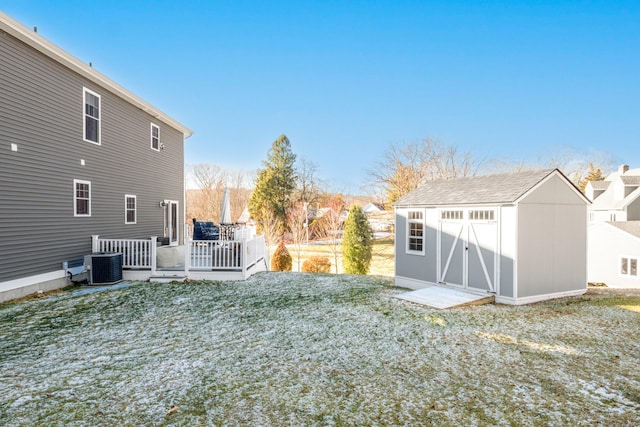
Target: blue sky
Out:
[343,80]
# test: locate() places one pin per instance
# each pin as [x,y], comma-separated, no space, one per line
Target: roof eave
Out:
[31,38]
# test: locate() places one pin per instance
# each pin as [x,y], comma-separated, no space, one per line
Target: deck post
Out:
[152,254]
[187,250]
[95,245]
[243,258]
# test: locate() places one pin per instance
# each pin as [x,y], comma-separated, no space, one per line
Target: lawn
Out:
[299,349]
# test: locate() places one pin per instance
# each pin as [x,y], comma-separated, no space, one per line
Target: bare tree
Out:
[329,228]
[297,221]
[405,167]
[308,184]
[271,226]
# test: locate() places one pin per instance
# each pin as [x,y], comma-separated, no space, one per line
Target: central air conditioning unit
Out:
[104,268]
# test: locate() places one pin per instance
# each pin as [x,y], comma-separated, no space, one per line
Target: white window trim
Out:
[75,197]
[126,208]
[629,275]
[153,125]
[84,114]
[409,237]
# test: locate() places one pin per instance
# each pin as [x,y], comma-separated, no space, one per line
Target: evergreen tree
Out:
[357,242]
[275,184]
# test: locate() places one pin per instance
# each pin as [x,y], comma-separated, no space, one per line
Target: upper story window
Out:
[155,137]
[81,198]
[415,232]
[91,126]
[629,266]
[129,209]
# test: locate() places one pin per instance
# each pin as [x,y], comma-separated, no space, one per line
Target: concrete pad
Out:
[442,297]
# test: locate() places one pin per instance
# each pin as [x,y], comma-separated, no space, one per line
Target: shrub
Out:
[281,260]
[357,242]
[317,264]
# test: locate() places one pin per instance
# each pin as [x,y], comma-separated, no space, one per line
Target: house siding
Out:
[42,113]
[551,255]
[415,266]
[633,210]
[607,245]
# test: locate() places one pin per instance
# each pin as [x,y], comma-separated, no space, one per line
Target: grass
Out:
[301,349]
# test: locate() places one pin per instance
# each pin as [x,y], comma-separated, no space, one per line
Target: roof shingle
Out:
[494,189]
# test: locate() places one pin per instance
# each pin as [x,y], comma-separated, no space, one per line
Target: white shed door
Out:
[468,248]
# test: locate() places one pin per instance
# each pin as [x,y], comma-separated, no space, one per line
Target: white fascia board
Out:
[31,38]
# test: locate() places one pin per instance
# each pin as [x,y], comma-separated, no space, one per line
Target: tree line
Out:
[288,201]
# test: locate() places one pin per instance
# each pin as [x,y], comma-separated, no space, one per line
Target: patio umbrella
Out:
[225,216]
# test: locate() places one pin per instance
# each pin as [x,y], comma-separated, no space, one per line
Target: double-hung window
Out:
[155,137]
[629,266]
[91,125]
[81,198]
[415,232]
[129,209]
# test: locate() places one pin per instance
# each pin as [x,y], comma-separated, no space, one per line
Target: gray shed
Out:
[521,237]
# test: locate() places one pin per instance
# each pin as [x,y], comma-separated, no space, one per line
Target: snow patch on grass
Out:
[303,349]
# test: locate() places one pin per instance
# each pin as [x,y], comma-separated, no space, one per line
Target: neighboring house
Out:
[614,228]
[80,156]
[372,208]
[617,198]
[521,236]
[614,253]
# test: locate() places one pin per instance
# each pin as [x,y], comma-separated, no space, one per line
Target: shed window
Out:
[81,198]
[155,137]
[482,215]
[91,116]
[129,209]
[629,266]
[451,214]
[415,232]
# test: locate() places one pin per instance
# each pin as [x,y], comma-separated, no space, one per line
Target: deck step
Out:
[168,278]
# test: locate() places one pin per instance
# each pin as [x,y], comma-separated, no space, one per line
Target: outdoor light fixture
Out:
[163,204]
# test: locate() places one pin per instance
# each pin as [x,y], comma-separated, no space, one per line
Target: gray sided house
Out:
[79,156]
[521,237]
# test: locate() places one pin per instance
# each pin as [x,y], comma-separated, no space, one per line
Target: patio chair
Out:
[205,230]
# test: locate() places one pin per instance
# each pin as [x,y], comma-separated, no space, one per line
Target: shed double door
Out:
[467,249]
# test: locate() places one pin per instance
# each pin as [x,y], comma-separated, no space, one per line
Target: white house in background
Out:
[372,208]
[617,198]
[614,229]
[614,253]
[521,237]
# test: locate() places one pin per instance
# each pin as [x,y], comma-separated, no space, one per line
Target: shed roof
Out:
[631,227]
[33,39]
[488,189]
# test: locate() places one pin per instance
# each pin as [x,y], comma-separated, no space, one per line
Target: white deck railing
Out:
[200,255]
[136,253]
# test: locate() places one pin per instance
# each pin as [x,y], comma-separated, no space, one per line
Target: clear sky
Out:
[511,80]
